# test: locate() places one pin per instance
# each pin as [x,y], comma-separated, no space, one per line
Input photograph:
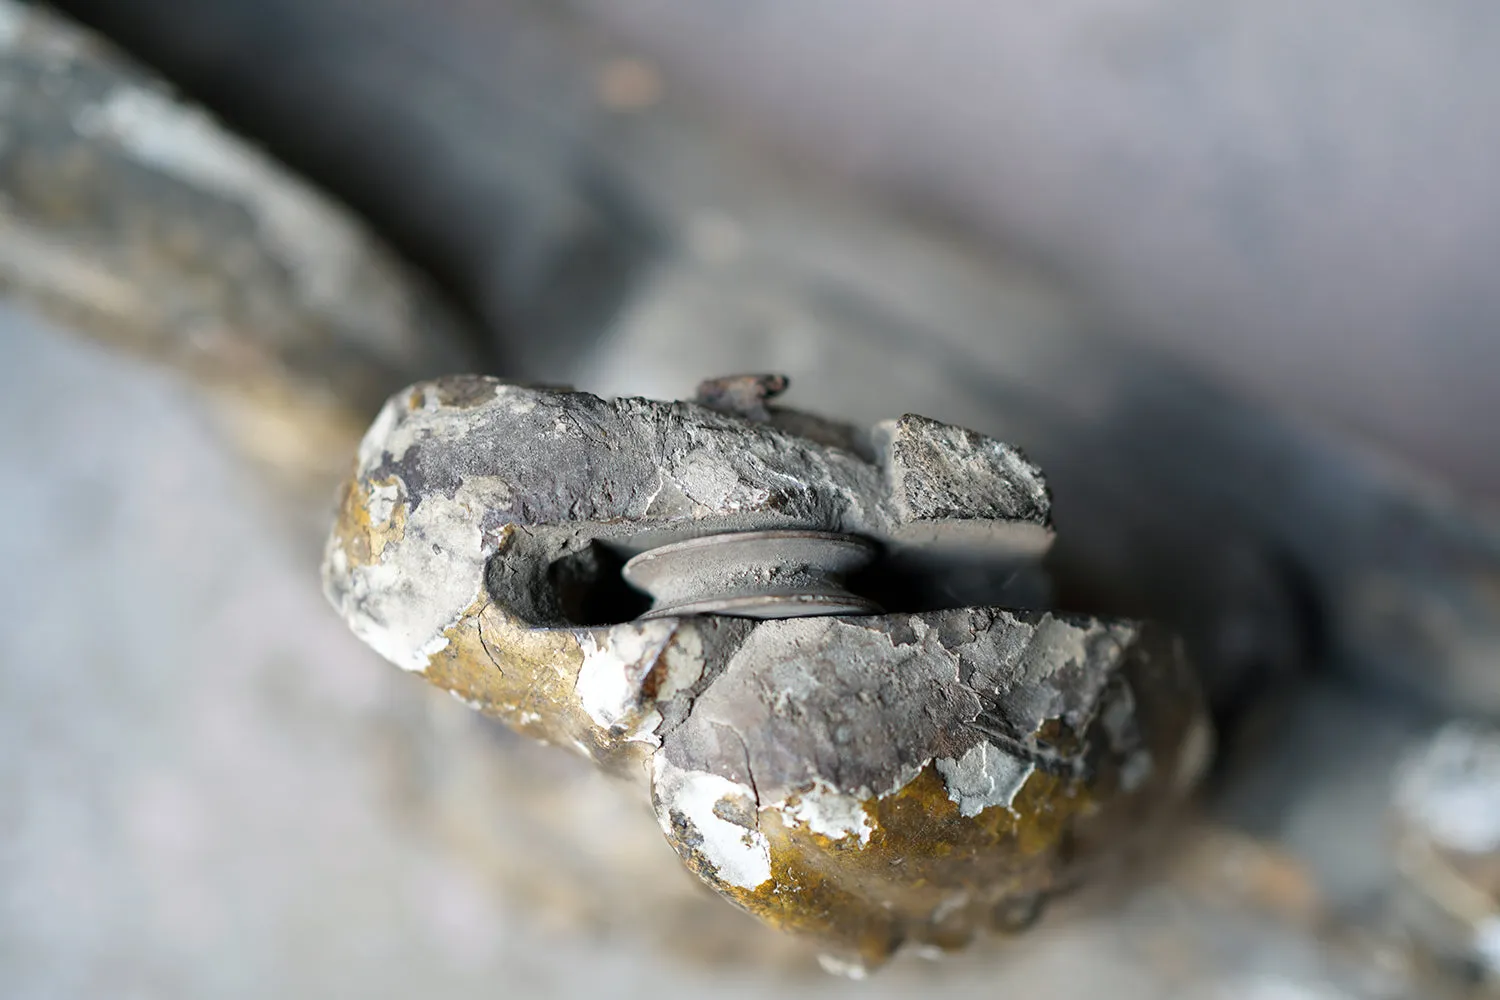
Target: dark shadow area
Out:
[492,194]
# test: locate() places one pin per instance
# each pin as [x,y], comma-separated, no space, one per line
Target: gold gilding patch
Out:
[392,528]
[352,528]
[526,678]
[359,534]
[867,898]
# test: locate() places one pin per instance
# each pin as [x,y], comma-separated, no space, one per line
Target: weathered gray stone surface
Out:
[977,757]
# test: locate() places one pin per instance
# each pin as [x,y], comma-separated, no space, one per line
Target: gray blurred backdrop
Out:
[1228,270]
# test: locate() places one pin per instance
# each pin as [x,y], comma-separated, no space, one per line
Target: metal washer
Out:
[780,573]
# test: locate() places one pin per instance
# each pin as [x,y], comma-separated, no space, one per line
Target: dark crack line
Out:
[745,749]
[1040,757]
[483,642]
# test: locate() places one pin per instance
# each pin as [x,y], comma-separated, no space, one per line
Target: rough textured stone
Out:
[866,781]
[914,779]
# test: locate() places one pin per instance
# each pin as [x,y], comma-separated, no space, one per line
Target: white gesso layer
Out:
[423,583]
[985,776]
[831,813]
[1448,788]
[609,682]
[740,856]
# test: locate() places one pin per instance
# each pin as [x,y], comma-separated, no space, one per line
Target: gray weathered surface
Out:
[463,462]
[870,781]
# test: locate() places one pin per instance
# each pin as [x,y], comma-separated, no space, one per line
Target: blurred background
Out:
[1224,270]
